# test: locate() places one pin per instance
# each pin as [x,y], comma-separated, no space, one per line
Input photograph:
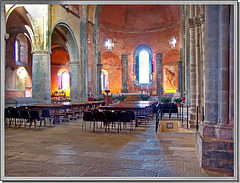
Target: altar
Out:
[134,96]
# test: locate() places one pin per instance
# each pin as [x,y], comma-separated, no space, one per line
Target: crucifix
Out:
[172,42]
[109,44]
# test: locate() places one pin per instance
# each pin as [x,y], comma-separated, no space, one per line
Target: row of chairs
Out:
[107,118]
[163,108]
[24,116]
[160,109]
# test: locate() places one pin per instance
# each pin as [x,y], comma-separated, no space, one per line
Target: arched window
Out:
[65,81]
[21,50]
[17,50]
[104,78]
[144,69]
[143,65]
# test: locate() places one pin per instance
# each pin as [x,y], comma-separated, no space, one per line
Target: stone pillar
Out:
[83,54]
[159,74]
[211,150]
[124,59]
[224,62]
[211,70]
[223,131]
[231,67]
[3,67]
[41,76]
[193,85]
[75,80]
[95,58]
[180,76]
[202,50]
[99,73]
[182,71]
[187,56]
[199,79]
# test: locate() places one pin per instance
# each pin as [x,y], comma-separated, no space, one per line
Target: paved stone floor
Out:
[64,150]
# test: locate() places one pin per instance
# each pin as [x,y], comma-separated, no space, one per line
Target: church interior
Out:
[120,53]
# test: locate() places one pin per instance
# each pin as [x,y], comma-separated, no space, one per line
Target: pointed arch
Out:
[71,42]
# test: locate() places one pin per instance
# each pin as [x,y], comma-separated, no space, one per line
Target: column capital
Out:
[197,21]
[124,55]
[191,23]
[74,62]
[6,36]
[202,18]
[83,20]
[41,52]
[159,55]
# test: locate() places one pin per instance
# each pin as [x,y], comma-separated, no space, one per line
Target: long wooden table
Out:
[56,107]
[135,106]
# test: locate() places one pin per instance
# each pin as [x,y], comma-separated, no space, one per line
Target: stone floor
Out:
[65,151]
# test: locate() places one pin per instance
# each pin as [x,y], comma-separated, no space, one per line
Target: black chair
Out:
[133,117]
[165,109]
[35,116]
[7,116]
[25,114]
[88,116]
[100,117]
[125,118]
[15,114]
[46,115]
[173,109]
[111,117]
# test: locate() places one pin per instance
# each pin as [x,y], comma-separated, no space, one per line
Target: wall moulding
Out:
[74,62]
[41,52]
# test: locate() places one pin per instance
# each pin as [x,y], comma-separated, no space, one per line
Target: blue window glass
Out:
[144,67]
[17,50]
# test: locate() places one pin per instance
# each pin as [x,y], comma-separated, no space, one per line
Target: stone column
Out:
[231,67]
[159,74]
[193,85]
[211,70]
[99,73]
[3,66]
[75,81]
[124,59]
[187,56]
[222,131]
[83,54]
[182,71]
[224,62]
[95,58]
[180,76]
[41,76]
[202,51]
[199,79]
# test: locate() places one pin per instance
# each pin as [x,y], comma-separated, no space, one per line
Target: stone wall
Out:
[214,153]
[15,85]
[127,37]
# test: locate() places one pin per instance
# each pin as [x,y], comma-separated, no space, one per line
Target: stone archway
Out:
[66,38]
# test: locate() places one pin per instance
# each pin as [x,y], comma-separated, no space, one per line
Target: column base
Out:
[217,131]
[214,153]
[224,132]
[207,129]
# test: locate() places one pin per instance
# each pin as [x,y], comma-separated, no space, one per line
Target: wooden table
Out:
[56,107]
[124,106]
